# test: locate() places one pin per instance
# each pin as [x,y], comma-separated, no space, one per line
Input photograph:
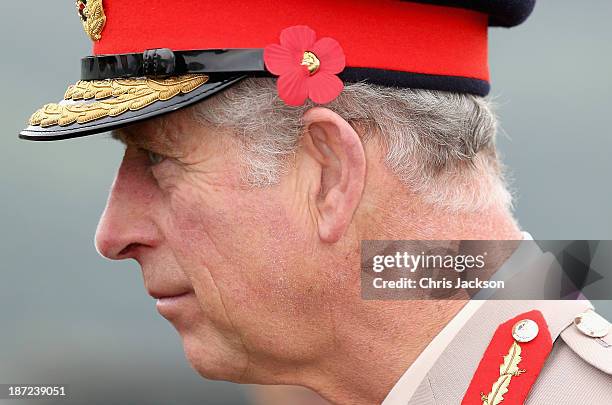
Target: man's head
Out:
[250,213]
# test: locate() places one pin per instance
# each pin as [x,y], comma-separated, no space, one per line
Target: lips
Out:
[159,294]
[172,304]
[173,292]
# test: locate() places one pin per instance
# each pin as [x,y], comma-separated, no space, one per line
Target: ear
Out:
[339,158]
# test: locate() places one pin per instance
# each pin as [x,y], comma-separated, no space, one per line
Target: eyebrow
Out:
[118,135]
[158,142]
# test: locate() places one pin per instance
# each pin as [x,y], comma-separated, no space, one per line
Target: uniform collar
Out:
[448,379]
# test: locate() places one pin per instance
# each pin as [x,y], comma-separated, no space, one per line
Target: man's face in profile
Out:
[230,265]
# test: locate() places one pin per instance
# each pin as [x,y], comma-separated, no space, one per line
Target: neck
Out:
[412,219]
[372,351]
[376,341]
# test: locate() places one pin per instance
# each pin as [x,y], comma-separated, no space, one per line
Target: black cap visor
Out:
[55,128]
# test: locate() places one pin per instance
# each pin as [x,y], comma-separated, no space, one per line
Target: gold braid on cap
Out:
[113,97]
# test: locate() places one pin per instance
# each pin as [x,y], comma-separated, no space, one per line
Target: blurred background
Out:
[69,317]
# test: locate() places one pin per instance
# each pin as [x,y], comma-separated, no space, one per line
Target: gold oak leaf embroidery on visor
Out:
[507,370]
[112,98]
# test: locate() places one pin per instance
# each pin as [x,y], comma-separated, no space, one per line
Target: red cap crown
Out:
[389,35]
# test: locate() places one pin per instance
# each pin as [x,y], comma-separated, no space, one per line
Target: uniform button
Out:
[592,324]
[525,331]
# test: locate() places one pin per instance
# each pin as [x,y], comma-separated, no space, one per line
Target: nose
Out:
[127,222]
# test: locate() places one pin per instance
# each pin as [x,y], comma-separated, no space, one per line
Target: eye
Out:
[154,158]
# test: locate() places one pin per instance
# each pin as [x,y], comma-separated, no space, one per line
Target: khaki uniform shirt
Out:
[577,371]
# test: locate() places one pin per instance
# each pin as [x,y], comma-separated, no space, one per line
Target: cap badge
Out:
[306,67]
[92,16]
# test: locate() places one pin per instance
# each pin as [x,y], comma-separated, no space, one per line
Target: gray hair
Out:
[441,145]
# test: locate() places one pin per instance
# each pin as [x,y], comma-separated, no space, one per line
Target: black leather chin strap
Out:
[165,62]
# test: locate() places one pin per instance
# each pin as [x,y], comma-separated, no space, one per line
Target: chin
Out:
[212,361]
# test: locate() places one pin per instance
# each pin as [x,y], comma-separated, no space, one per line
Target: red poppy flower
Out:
[306,68]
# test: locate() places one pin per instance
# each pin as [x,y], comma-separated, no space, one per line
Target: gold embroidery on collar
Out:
[507,370]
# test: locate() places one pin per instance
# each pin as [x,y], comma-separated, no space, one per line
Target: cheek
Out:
[195,231]
[257,277]
[243,245]
[223,229]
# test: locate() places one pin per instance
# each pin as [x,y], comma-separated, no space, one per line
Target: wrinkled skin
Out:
[250,258]
[266,281]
